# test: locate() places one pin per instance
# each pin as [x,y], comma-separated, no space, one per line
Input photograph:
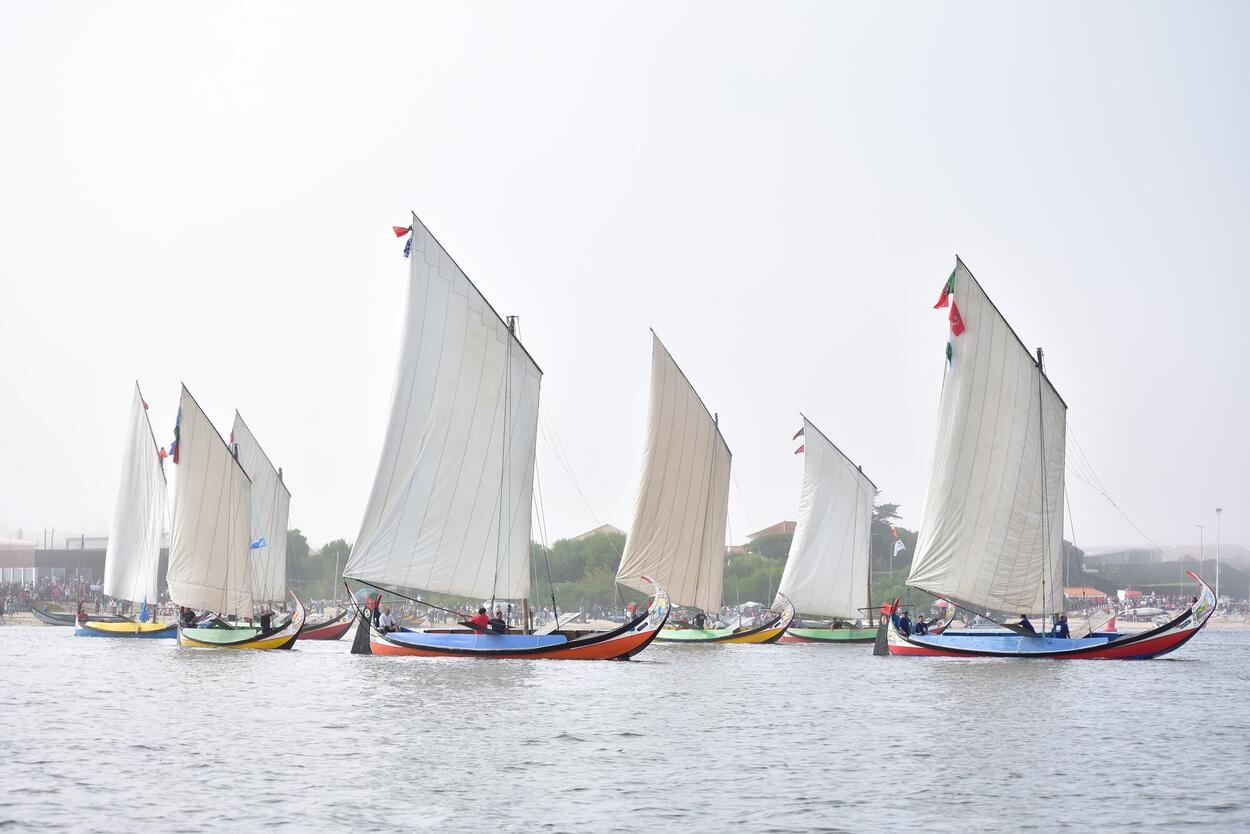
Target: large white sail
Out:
[992,533]
[678,533]
[210,566]
[450,506]
[827,570]
[132,561]
[271,504]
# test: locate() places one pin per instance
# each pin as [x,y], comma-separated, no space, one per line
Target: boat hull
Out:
[841,636]
[769,632]
[245,638]
[131,630]
[1144,645]
[53,618]
[332,629]
[619,644]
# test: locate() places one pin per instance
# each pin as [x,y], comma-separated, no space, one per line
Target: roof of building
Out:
[778,529]
[601,529]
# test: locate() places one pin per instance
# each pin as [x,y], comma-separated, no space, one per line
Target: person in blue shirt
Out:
[903,624]
[921,626]
[1026,625]
[1061,628]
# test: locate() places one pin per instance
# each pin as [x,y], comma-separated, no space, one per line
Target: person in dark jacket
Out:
[1026,625]
[1061,628]
[903,625]
[497,623]
[921,626]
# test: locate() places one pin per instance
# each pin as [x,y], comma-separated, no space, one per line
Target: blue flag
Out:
[259,543]
[143,611]
[408,246]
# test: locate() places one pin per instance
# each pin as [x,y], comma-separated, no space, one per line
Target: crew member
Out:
[1026,625]
[266,618]
[480,619]
[904,625]
[921,627]
[700,620]
[387,622]
[1061,628]
[497,623]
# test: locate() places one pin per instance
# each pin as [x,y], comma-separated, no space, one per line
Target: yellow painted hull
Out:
[278,641]
[126,629]
[769,635]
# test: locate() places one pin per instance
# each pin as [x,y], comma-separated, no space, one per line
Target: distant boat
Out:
[678,531]
[991,539]
[827,572]
[210,556]
[132,560]
[450,508]
[331,628]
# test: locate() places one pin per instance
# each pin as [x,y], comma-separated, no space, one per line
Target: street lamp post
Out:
[1218,512]
[1202,553]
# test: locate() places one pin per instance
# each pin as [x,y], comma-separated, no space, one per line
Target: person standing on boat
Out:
[700,620]
[266,618]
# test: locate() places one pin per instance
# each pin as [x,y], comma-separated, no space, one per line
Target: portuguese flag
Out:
[948,289]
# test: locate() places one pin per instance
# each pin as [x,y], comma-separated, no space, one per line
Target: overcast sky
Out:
[205,194]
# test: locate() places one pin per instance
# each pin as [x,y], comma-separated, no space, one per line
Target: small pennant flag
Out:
[898,547]
[893,532]
[950,352]
[801,449]
[797,434]
[957,321]
[408,247]
[400,231]
[145,403]
[163,453]
[232,437]
[948,289]
[259,543]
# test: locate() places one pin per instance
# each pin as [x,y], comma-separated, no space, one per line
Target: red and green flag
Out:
[948,289]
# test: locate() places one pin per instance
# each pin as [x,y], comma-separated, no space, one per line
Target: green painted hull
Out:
[830,635]
[220,635]
[693,635]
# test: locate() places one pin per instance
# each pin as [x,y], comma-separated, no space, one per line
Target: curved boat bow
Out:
[280,637]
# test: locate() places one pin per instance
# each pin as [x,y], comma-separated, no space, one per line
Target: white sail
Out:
[132,561]
[992,533]
[678,533]
[271,504]
[210,566]
[450,506]
[826,572]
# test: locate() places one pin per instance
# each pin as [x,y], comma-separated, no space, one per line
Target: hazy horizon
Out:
[780,191]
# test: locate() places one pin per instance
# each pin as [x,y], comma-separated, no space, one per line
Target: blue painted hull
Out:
[473,641]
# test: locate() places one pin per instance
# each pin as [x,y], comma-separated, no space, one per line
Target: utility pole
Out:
[1202,553]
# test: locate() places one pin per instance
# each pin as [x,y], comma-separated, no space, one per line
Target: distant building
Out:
[22,561]
[735,550]
[600,530]
[1112,556]
[781,528]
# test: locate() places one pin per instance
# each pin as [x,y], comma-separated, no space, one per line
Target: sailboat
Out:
[827,572]
[210,556]
[678,530]
[450,509]
[271,506]
[132,560]
[991,539]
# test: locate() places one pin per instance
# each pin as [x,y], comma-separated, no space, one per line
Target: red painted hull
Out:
[327,632]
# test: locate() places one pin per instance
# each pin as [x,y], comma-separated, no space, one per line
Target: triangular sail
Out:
[826,572]
[271,504]
[132,561]
[210,564]
[992,533]
[450,507]
[678,533]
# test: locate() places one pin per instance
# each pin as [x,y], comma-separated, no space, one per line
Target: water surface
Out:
[121,735]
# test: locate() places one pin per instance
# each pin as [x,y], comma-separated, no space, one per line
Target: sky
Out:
[205,194]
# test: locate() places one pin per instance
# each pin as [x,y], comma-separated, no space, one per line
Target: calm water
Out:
[117,735]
